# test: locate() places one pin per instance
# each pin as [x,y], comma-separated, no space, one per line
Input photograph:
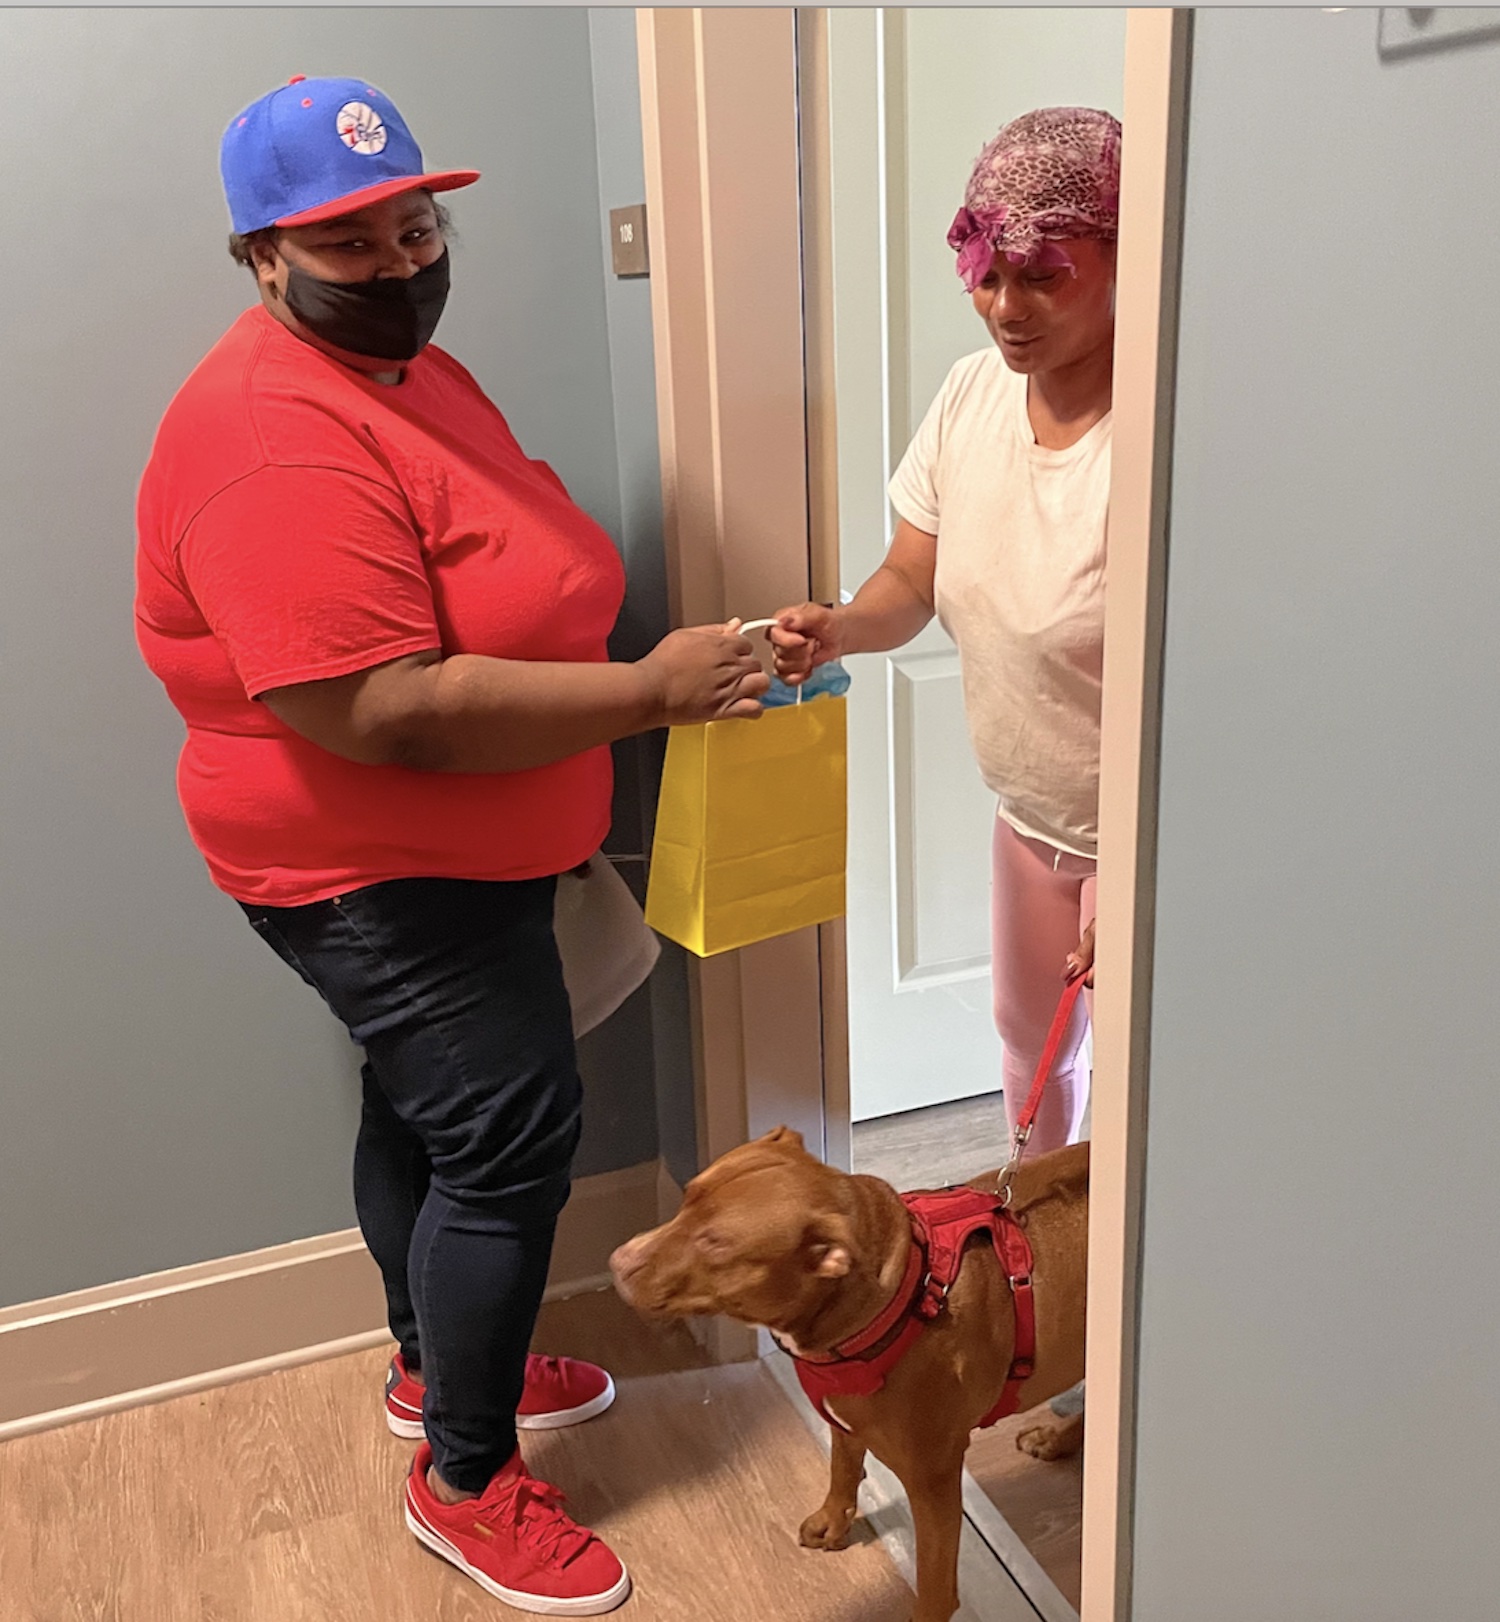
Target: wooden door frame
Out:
[719,105]
[747,421]
[1157,47]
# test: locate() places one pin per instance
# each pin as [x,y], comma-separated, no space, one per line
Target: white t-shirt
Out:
[1020,589]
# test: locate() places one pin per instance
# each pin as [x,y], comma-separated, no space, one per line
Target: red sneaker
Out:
[516,1542]
[559,1391]
[562,1391]
[403,1402]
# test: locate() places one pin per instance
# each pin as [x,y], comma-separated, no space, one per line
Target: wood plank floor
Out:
[930,1148]
[278,1500]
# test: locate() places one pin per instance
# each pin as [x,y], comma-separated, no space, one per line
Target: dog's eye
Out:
[712,1245]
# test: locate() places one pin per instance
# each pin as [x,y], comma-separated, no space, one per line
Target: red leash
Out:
[1061,1020]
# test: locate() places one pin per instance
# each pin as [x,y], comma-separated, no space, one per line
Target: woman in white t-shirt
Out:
[1002,500]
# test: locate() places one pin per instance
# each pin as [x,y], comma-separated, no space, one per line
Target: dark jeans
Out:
[472,1102]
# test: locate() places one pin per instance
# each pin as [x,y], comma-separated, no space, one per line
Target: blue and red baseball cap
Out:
[318,148]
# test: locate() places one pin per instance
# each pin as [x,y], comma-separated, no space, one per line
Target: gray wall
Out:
[1319,1431]
[170,1091]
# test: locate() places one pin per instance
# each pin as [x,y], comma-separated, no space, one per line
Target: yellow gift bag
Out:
[751,828]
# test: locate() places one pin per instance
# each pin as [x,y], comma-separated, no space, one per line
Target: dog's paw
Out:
[1052,1438]
[826,1529]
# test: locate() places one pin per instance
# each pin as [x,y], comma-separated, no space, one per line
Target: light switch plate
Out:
[627,241]
[1406,30]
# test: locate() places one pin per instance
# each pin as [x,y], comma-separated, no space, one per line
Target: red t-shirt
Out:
[298,521]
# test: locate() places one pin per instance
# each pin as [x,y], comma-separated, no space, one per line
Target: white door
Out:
[913,95]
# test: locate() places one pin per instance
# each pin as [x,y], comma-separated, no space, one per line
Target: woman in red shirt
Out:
[385,628]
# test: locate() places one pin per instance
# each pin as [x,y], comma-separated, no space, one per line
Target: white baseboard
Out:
[145,1340]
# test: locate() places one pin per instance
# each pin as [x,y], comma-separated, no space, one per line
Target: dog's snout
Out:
[627,1260]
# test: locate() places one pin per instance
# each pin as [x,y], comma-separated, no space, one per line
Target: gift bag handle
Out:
[745,627]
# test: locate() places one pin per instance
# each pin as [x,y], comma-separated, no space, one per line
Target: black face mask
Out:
[389,319]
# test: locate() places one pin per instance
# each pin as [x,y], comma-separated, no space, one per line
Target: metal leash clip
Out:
[1006,1175]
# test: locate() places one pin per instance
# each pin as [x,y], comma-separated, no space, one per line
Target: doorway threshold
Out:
[990,1587]
[1046,1598]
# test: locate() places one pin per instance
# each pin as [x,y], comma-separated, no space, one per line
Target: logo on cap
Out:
[361,128]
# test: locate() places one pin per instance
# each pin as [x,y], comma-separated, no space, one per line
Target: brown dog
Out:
[770,1236]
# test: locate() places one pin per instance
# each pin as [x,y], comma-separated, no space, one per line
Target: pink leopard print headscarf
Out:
[1048,176]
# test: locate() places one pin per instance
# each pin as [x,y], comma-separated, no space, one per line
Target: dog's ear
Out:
[835,1263]
[785,1137]
[827,1247]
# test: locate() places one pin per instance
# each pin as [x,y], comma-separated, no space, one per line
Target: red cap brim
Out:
[444,180]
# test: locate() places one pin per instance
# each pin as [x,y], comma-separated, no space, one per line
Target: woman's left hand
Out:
[1081,959]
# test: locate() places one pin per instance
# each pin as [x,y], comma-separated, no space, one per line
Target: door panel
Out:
[913,94]
[941,817]
[919,817]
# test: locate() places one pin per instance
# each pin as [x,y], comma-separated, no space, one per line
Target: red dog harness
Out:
[942,1225]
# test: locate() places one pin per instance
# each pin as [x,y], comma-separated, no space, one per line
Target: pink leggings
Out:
[1041,903]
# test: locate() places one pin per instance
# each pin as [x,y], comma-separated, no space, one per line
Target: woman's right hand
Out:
[804,638]
[1081,960]
[704,673]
